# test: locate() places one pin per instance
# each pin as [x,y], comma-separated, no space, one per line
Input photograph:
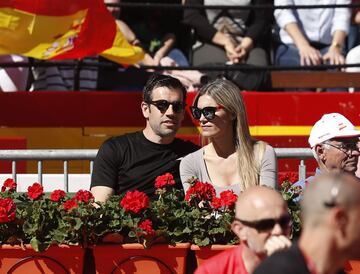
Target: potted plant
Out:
[211,219]
[291,195]
[38,234]
[146,232]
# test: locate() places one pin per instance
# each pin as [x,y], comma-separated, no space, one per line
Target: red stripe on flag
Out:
[98,30]
[52,7]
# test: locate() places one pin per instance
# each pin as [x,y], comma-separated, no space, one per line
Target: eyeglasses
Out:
[208,112]
[267,224]
[346,147]
[163,105]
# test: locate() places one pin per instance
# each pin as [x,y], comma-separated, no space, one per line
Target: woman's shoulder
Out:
[197,154]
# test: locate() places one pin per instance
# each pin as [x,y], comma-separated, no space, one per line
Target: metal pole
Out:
[13,170]
[40,175]
[66,176]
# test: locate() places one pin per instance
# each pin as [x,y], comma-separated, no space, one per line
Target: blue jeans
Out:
[288,55]
[178,57]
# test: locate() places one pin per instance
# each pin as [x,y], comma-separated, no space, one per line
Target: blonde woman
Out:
[232,159]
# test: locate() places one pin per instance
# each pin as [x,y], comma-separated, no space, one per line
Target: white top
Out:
[318,25]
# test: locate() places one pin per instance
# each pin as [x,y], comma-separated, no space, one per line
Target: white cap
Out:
[332,125]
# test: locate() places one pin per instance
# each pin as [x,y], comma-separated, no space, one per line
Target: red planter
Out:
[353,267]
[133,258]
[57,259]
[206,252]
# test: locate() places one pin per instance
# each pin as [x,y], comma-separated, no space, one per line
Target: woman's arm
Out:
[268,168]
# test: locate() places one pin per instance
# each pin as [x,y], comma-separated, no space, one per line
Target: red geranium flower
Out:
[68,205]
[228,198]
[216,203]
[83,196]
[164,180]
[9,184]
[135,201]
[7,210]
[201,191]
[35,191]
[290,177]
[57,195]
[146,225]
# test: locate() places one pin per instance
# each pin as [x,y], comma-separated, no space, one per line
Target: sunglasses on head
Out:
[163,105]
[267,224]
[208,112]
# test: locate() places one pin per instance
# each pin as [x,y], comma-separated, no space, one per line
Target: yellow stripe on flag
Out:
[122,52]
[38,36]
[46,37]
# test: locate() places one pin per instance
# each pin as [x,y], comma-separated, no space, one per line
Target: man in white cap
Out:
[334,141]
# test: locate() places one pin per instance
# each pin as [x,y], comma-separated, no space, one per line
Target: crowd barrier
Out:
[74,182]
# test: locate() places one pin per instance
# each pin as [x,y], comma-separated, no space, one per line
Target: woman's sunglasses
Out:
[163,105]
[208,112]
[267,224]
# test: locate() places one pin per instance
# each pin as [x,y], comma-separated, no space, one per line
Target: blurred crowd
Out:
[208,38]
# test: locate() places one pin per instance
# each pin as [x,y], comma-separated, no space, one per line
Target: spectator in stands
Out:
[353,37]
[133,161]
[13,79]
[262,224]
[353,56]
[311,36]
[156,30]
[232,160]
[330,229]
[335,144]
[234,36]
[62,77]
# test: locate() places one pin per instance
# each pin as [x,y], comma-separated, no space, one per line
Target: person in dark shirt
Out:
[133,161]
[330,233]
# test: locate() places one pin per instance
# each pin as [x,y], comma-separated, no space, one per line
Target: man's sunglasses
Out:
[267,224]
[163,105]
[208,112]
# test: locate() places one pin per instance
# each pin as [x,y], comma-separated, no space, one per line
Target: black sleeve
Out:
[259,22]
[106,164]
[197,19]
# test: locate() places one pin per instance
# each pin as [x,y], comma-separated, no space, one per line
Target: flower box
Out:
[134,258]
[352,267]
[202,253]
[61,259]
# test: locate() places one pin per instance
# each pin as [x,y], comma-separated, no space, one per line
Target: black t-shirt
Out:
[131,161]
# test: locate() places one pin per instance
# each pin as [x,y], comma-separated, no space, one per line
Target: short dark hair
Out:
[159,80]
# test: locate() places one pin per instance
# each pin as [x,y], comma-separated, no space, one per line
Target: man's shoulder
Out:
[185,146]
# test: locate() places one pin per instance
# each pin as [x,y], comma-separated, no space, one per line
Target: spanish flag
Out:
[63,29]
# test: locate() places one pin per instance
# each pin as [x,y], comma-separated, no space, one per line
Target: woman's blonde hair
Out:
[249,151]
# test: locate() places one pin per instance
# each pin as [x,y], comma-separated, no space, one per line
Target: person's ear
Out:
[145,110]
[239,230]
[320,152]
[341,220]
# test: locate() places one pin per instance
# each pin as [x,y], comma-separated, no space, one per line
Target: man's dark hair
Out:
[159,80]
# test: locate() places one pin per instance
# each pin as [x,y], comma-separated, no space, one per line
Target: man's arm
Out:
[102,193]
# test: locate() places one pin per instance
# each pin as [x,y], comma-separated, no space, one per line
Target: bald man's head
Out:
[256,200]
[327,191]
[261,215]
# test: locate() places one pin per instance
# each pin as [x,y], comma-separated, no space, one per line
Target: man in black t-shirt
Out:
[133,161]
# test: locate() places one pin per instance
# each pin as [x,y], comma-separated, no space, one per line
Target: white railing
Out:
[67,155]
